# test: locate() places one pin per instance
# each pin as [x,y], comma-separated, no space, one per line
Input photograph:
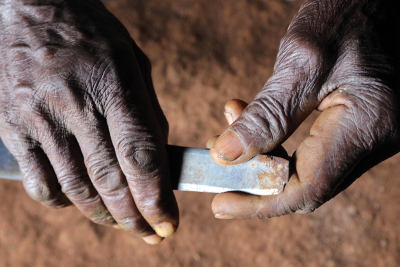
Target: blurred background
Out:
[205,52]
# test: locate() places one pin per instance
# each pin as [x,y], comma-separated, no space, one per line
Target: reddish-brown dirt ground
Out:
[205,52]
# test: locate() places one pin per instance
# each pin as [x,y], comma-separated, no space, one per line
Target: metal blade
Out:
[8,165]
[262,175]
[192,169]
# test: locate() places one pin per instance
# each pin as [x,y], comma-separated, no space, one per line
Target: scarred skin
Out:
[79,113]
[342,58]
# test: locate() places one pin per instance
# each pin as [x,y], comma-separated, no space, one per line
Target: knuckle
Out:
[308,206]
[275,208]
[30,108]
[261,216]
[149,200]
[106,175]
[306,209]
[104,85]
[145,161]
[313,198]
[139,160]
[272,113]
[282,207]
[265,116]
[371,117]
[76,188]
[46,55]
[304,203]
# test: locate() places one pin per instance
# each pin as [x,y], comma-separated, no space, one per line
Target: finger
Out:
[39,179]
[64,155]
[288,97]
[328,160]
[142,157]
[233,110]
[107,177]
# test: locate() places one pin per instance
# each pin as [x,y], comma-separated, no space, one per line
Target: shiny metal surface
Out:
[263,175]
[8,165]
[192,169]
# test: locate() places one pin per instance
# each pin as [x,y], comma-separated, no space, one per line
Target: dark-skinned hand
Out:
[340,57]
[79,113]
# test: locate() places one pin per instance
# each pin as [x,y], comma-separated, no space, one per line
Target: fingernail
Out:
[164,229]
[223,216]
[228,117]
[153,239]
[116,226]
[229,146]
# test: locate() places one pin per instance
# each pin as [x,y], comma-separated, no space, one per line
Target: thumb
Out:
[351,135]
[289,96]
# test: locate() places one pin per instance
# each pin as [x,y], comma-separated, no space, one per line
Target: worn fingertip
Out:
[228,117]
[164,229]
[235,205]
[229,150]
[219,159]
[117,226]
[233,109]
[228,147]
[218,210]
[222,216]
[236,105]
[217,206]
[153,239]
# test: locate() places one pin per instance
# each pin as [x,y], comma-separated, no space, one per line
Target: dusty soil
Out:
[203,53]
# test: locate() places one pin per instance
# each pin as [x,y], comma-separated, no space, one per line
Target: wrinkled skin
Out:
[79,113]
[342,58]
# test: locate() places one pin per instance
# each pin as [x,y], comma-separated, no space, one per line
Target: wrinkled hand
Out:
[342,58]
[79,113]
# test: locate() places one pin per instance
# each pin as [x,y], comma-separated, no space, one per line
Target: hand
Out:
[79,113]
[342,58]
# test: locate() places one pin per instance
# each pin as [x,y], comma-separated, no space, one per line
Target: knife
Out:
[192,169]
